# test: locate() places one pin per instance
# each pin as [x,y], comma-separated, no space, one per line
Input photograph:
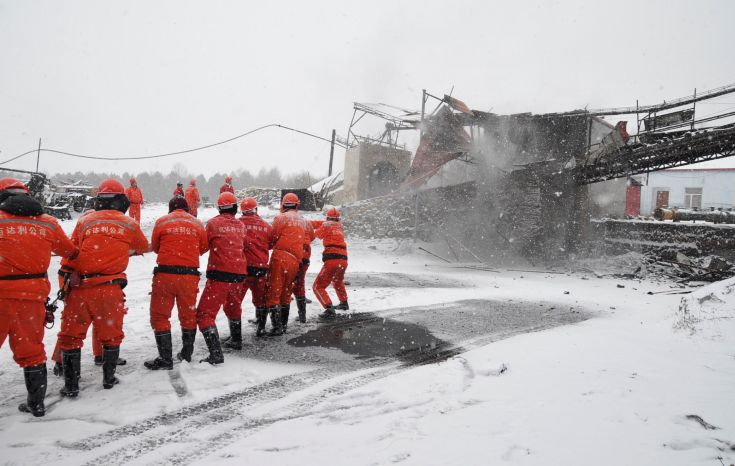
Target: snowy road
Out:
[430,369]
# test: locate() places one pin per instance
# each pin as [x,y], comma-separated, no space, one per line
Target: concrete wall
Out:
[718,187]
[363,161]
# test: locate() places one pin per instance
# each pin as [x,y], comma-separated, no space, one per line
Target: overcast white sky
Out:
[143,77]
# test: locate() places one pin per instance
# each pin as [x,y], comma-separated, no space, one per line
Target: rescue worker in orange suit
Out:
[65,272]
[226,271]
[299,287]
[290,232]
[192,197]
[227,187]
[179,239]
[27,239]
[135,196]
[258,235]
[335,263]
[105,239]
[179,191]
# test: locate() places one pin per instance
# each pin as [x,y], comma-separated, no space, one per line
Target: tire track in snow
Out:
[272,389]
[219,435]
[222,419]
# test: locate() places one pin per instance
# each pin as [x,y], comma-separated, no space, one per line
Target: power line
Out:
[170,154]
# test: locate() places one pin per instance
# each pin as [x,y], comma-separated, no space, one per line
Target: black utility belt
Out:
[227,277]
[326,257]
[176,270]
[27,276]
[334,246]
[113,281]
[257,271]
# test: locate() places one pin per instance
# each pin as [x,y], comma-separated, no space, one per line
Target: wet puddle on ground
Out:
[369,336]
[428,334]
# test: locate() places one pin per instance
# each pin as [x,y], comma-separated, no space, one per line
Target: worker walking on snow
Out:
[105,239]
[226,270]
[27,239]
[258,235]
[290,232]
[179,239]
[135,196]
[335,263]
[227,187]
[192,197]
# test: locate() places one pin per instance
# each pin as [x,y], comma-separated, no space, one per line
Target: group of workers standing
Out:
[245,254]
[191,194]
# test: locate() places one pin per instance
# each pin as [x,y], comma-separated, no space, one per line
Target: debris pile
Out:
[391,216]
[681,269]
[264,196]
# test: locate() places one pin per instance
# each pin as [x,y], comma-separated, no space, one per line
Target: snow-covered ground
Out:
[627,385]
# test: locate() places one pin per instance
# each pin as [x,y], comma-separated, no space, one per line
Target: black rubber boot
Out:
[71,362]
[187,347]
[234,341]
[164,361]
[285,311]
[328,314]
[301,306]
[276,323]
[343,306]
[98,361]
[36,385]
[211,338]
[261,316]
[58,369]
[110,355]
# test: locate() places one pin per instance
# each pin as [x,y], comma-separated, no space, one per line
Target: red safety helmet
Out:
[226,199]
[132,180]
[192,182]
[110,187]
[290,199]
[12,184]
[228,179]
[248,204]
[333,213]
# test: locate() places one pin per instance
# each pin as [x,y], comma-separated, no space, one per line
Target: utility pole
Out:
[38,154]
[331,152]
[423,110]
[694,108]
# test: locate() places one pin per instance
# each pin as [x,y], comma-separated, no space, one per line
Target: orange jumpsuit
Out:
[65,271]
[192,198]
[105,239]
[178,239]
[290,232]
[299,286]
[335,263]
[135,196]
[26,244]
[226,267]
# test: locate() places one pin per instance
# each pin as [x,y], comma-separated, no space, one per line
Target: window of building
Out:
[693,198]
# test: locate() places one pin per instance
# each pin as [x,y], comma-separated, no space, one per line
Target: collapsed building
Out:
[496,187]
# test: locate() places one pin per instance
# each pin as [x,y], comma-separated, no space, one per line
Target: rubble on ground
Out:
[264,196]
[681,268]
